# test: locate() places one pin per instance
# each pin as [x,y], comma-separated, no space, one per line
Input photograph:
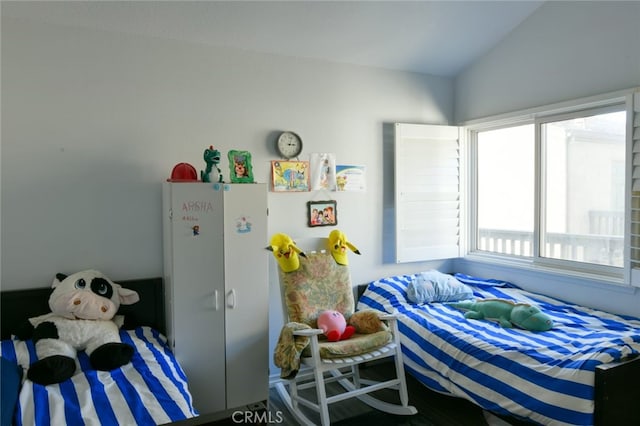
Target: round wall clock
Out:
[289,144]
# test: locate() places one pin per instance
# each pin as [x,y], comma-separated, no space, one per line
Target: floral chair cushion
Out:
[355,345]
[319,284]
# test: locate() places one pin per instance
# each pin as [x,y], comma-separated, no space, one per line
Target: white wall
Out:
[564,51]
[93,122]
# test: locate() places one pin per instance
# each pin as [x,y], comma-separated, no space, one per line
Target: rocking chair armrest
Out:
[308,332]
[388,317]
[392,322]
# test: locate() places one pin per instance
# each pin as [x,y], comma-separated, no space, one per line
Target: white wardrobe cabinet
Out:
[216,290]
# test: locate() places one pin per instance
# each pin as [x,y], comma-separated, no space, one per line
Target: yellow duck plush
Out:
[286,252]
[338,244]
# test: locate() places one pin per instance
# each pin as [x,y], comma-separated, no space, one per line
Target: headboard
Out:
[360,289]
[16,306]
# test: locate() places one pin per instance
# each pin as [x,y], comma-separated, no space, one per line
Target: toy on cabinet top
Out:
[240,165]
[183,172]
[212,159]
[83,317]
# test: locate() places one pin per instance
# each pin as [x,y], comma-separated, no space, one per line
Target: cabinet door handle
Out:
[215,300]
[231,299]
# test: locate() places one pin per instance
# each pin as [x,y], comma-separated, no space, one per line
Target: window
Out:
[582,219]
[550,188]
[505,206]
[555,187]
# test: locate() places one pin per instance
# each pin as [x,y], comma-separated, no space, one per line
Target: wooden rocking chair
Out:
[322,284]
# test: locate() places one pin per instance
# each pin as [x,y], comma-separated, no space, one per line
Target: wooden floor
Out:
[434,409]
[442,410]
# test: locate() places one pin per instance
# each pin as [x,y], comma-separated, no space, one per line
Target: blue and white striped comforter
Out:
[150,390]
[545,377]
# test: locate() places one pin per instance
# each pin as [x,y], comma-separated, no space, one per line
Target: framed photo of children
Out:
[241,170]
[322,213]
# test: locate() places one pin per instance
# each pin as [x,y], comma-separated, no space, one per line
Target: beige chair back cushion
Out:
[319,284]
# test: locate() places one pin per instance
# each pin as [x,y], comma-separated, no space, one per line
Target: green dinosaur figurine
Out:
[211,158]
[507,313]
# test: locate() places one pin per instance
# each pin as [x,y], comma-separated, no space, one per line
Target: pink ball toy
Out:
[334,326]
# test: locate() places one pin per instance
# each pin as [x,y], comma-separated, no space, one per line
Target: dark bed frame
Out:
[16,306]
[617,389]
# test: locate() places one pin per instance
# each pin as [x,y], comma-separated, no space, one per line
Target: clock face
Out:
[289,145]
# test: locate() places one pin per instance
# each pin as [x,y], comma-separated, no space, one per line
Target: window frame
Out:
[538,116]
[472,196]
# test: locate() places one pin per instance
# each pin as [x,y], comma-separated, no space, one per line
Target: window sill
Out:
[612,282]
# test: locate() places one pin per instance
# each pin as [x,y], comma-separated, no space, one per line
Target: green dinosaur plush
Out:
[507,313]
[211,158]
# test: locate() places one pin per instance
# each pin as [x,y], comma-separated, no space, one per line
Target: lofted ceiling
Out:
[432,37]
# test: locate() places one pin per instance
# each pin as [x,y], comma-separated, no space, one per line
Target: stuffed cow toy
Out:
[83,306]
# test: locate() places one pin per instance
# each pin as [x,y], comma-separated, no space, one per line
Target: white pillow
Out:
[434,286]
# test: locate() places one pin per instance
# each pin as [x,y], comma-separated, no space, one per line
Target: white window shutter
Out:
[427,192]
[634,210]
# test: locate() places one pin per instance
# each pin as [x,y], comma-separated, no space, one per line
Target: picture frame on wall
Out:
[290,176]
[241,169]
[322,213]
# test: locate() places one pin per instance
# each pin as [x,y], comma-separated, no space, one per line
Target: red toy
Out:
[183,172]
[335,326]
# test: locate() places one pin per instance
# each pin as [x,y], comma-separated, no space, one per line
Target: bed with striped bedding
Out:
[150,390]
[545,377]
